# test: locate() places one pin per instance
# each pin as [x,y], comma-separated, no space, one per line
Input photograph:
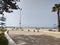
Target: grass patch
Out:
[3,40]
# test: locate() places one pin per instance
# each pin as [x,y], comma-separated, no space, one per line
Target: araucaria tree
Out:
[7,5]
[56,8]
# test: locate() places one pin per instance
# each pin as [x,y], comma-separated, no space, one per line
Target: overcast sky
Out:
[36,13]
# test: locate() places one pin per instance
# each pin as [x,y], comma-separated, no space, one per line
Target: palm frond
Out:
[54,9]
[57,6]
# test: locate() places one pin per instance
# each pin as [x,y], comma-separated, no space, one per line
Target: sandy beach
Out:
[42,37]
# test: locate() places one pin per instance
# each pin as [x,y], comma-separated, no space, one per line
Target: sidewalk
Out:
[11,42]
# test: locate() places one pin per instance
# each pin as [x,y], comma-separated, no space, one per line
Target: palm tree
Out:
[56,8]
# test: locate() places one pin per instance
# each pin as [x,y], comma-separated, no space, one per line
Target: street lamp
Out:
[20,17]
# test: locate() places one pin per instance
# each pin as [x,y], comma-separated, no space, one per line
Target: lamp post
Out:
[20,17]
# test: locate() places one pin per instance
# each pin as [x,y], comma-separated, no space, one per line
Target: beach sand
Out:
[42,37]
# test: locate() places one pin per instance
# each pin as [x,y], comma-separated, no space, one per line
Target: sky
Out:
[34,13]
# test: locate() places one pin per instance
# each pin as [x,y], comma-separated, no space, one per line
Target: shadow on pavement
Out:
[36,40]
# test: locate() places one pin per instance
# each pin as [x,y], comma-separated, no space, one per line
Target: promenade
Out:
[35,38]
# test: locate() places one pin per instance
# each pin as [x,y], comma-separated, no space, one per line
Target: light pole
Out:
[20,17]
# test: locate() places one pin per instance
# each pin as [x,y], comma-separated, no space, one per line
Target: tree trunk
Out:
[58,20]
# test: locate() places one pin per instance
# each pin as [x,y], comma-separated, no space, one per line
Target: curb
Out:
[11,42]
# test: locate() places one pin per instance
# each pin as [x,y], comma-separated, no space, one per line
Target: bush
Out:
[28,30]
[3,30]
[50,30]
[37,30]
[3,40]
[34,30]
